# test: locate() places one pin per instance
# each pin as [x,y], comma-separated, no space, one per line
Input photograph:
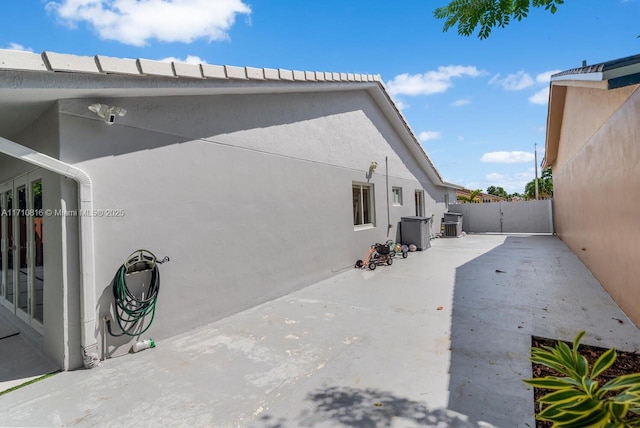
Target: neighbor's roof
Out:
[31,82]
[617,73]
[607,75]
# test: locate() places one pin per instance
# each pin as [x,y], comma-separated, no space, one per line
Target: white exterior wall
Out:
[61,299]
[250,195]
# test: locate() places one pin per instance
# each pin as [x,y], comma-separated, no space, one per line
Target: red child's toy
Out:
[379,254]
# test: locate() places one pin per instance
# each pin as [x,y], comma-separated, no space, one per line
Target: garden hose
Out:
[131,310]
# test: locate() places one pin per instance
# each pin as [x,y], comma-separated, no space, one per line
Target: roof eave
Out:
[596,76]
[174,78]
[409,137]
[555,112]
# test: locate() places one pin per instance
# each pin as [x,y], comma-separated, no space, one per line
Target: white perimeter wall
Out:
[506,217]
[249,195]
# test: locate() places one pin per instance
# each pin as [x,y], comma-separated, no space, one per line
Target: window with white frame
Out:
[396,192]
[363,212]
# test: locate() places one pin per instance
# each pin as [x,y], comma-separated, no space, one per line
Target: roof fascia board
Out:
[77,85]
[622,71]
[622,81]
[596,76]
[453,186]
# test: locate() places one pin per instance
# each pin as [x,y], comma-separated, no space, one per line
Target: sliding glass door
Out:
[22,249]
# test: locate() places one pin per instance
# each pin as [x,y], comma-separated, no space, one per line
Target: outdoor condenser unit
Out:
[452,225]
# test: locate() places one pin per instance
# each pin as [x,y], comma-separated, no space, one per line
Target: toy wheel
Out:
[372,266]
[404,254]
[390,261]
[359,264]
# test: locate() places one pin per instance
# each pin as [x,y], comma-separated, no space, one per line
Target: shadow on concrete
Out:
[20,359]
[355,407]
[489,342]
[528,285]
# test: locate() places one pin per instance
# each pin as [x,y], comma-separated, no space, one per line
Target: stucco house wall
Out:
[596,177]
[586,110]
[249,195]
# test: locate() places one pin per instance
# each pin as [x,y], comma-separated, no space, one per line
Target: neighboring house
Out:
[255,182]
[593,146]
[480,197]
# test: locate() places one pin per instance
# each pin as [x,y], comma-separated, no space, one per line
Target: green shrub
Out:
[577,399]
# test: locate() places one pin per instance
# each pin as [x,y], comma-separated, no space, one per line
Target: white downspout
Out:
[88,340]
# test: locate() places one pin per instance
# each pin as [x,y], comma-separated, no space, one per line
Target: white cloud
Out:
[507,157]
[190,59]
[402,105]
[494,176]
[429,135]
[431,82]
[462,102]
[513,82]
[545,76]
[510,182]
[134,22]
[541,97]
[17,47]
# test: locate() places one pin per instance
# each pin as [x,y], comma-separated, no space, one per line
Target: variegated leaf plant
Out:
[577,399]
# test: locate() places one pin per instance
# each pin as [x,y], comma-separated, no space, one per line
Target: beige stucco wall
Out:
[585,111]
[597,180]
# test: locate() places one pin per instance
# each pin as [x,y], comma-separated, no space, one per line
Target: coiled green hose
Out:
[130,310]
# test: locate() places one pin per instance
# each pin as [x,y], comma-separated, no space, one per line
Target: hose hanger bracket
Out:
[131,308]
[141,261]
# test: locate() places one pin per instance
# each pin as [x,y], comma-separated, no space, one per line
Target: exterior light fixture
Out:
[108,113]
[373,167]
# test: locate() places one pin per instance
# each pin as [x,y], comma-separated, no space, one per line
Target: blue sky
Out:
[478,106]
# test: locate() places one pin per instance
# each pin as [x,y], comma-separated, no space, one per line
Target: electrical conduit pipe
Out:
[88,340]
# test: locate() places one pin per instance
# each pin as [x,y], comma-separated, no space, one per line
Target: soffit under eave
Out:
[557,95]
[597,84]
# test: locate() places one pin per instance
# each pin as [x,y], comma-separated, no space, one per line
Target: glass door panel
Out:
[22,256]
[22,249]
[10,247]
[38,251]
[3,250]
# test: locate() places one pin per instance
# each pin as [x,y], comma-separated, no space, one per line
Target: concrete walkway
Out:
[438,339]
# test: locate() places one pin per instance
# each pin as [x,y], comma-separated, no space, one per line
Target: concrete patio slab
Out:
[438,339]
[20,362]
[20,359]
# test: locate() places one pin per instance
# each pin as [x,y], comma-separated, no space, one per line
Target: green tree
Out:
[469,14]
[497,191]
[545,186]
[473,196]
